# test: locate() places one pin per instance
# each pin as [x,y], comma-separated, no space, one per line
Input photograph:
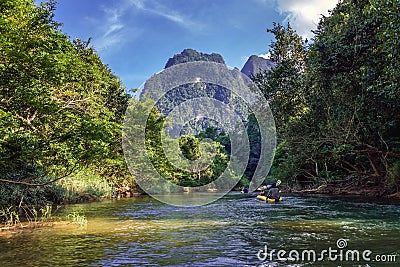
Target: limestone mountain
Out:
[175,97]
[256,64]
[190,55]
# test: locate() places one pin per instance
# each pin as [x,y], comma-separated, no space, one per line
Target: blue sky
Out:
[137,37]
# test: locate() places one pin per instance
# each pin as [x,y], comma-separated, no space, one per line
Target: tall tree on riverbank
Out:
[61,108]
[356,83]
[339,116]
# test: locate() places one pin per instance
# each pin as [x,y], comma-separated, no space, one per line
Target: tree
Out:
[283,85]
[350,59]
[334,101]
[61,108]
[285,88]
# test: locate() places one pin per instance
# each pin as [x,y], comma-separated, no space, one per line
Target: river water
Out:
[233,231]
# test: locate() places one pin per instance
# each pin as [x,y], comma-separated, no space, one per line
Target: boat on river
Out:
[270,200]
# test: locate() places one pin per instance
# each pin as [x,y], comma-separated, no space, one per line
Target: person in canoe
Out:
[273,192]
[263,189]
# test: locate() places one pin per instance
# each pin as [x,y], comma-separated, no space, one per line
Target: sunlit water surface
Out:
[229,232]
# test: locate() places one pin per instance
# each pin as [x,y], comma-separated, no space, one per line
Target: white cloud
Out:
[304,15]
[157,8]
[111,29]
[113,22]
[138,3]
[114,29]
[266,56]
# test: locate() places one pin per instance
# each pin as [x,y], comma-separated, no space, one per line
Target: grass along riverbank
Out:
[22,205]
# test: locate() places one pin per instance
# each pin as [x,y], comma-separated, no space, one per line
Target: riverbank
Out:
[362,187]
[9,231]
[49,220]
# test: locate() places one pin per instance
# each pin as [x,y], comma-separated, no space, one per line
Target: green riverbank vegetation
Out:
[61,111]
[335,99]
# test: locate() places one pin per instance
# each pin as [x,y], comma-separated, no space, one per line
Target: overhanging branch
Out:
[37,184]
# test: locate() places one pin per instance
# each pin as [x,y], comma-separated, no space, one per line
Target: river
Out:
[233,231]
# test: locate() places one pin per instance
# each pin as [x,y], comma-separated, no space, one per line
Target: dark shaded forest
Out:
[335,100]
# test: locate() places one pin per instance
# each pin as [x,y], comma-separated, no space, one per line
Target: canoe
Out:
[274,200]
[264,198]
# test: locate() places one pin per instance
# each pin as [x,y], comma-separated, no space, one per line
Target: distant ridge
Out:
[256,64]
[190,55]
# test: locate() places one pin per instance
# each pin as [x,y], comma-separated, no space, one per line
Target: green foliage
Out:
[254,134]
[46,212]
[17,194]
[189,146]
[197,173]
[284,84]
[61,108]
[393,181]
[336,100]
[350,86]
[86,184]
[243,182]
[194,169]
[78,218]
[58,97]
[9,215]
